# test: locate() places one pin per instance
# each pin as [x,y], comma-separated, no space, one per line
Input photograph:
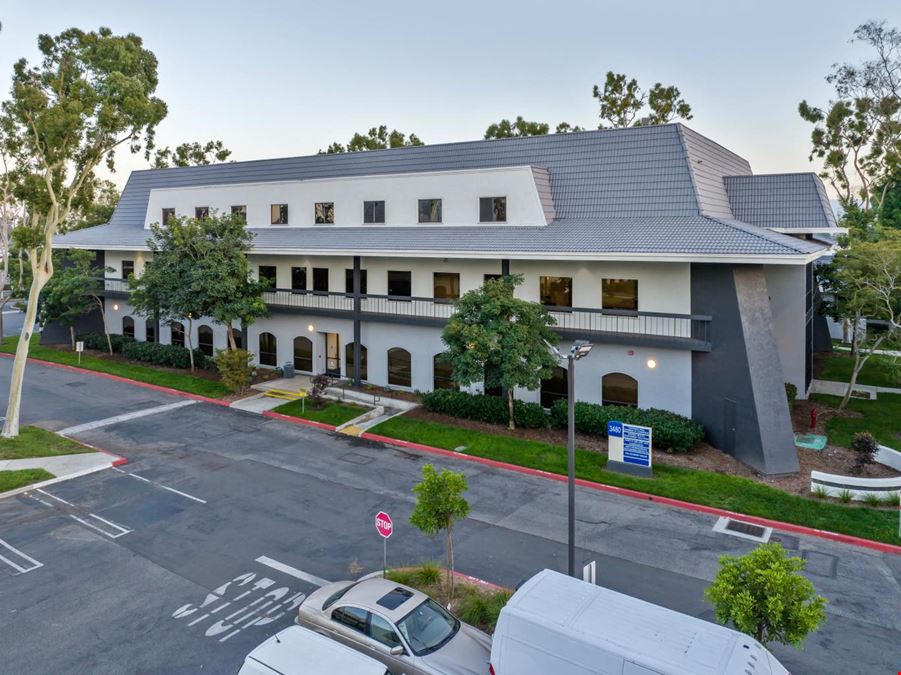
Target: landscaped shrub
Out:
[865,446]
[482,408]
[791,393]
[671,431]
[148,352]
[98,341]
[235,368]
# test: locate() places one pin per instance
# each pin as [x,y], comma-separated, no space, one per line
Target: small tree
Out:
[64,298]
[235,368]
[439,505]
[622,101]
[765,595]
[499,339]
[865,446]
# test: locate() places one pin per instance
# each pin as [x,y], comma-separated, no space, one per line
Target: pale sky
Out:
[276,79]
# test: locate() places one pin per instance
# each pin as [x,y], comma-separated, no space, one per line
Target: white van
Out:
[565,626]
[298,651]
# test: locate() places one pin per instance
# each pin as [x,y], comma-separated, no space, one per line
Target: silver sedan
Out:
[401,627]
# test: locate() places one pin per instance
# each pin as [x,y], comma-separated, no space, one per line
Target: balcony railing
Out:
[686,331]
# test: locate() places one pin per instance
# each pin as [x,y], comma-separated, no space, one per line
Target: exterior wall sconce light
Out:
[116,308]
[652,364]
[311,328]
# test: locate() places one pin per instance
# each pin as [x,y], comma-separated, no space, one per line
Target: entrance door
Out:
[332,355]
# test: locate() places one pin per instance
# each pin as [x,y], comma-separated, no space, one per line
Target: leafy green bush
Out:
[671,431]
[148,352]
[791,392]
[482,609]
[235,368]
[98,341]
[865,446]
[482,408]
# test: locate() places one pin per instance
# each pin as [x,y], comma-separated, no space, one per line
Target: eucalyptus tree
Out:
[377,138]
[92,93]
[622,102]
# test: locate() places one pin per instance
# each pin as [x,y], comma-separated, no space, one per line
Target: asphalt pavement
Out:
[205,542]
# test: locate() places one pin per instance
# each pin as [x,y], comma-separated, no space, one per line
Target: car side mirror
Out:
[398,651]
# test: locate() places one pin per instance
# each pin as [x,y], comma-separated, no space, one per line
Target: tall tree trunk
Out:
[449,545]
[190,342]
[41,273]
[72,336]
[2,307]
[230,331]
[511,424]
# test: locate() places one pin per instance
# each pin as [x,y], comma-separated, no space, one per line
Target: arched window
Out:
[303,353]
[268,350]
[128,326]
[619,389]
[349,361]
[554,388]
[150,331]
[495,390]
[178,333]
[205,340]
[400,371]
[443,372]
[239,338]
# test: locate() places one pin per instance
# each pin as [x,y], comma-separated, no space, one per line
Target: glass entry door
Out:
[332,355]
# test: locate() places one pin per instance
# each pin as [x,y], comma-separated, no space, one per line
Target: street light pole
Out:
[571,451]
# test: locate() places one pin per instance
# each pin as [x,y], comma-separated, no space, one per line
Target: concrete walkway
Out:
[62,467]
[833,388]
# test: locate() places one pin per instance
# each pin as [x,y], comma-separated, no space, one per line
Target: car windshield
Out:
[334,597]
[428,627]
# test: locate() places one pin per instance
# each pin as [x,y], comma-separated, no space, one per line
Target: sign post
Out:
[79,347]
[629,448]
[385,528]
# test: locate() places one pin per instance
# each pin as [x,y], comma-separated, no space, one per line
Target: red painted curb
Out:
[298,420]
[480,582]
[119,378]
[635,494]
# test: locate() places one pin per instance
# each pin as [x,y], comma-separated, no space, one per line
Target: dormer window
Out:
[373,212]
[167,214]
[492,209]
[279,213]
[201,212]
[324,213]
[240,210]
[429,210]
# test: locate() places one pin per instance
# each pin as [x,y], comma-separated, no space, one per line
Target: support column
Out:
[357,338]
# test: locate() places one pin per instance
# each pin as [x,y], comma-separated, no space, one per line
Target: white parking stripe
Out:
[59,499]
[293,571]
[19,568]
[96,424]
[134,475]
[164,487]
[122,531]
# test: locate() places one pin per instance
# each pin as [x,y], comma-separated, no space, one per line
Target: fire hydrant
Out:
[813,419]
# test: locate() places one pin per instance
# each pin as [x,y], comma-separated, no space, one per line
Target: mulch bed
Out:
[704,457]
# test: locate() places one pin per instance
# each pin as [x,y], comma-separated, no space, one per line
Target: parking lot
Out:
[208,539]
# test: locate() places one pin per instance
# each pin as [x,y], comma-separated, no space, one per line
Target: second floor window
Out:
[429,210]
[373,212]
[556,291]
[446,285]
[400,284]
[128,268]
[492,209]
[324,213]
[279,214]
[349,281]
[240,210]
[268,272]
[167,214]
[620,294]
[201,212]
[298,278]
[320,279]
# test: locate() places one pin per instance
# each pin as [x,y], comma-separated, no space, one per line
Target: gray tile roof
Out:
[785,201]
[655,189]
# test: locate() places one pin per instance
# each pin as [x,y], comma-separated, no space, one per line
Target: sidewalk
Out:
[838,388]
[63,467]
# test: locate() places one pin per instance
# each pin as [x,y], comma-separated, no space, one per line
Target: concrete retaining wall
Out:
[889,456]
[834,485]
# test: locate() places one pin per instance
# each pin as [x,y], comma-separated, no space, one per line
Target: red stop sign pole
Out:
[385,527]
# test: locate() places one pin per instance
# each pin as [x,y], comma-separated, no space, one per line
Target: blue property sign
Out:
[615,429]
[636,445]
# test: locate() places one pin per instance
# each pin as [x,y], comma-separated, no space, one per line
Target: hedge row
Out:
[155,353]
[671,431]
[492,409]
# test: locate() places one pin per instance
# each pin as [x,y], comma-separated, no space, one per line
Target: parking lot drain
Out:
[739,528]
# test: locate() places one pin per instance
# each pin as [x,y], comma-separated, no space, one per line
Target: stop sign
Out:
[383,524]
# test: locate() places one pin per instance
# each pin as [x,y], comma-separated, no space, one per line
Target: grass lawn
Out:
[10,480]
[701,487]
[36,442]
[878,371]
[333,413]
[132,371]
[881,417]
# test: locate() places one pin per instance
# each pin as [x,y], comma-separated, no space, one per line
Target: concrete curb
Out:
[635,494]
[297,420]
[119,461]
[118,378]
[457,575]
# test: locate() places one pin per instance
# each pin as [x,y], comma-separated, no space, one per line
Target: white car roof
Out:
[298,651]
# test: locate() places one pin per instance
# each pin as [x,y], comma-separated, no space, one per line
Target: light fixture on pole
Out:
[580,349]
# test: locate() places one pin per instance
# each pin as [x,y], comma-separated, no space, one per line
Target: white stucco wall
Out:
[787,290]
